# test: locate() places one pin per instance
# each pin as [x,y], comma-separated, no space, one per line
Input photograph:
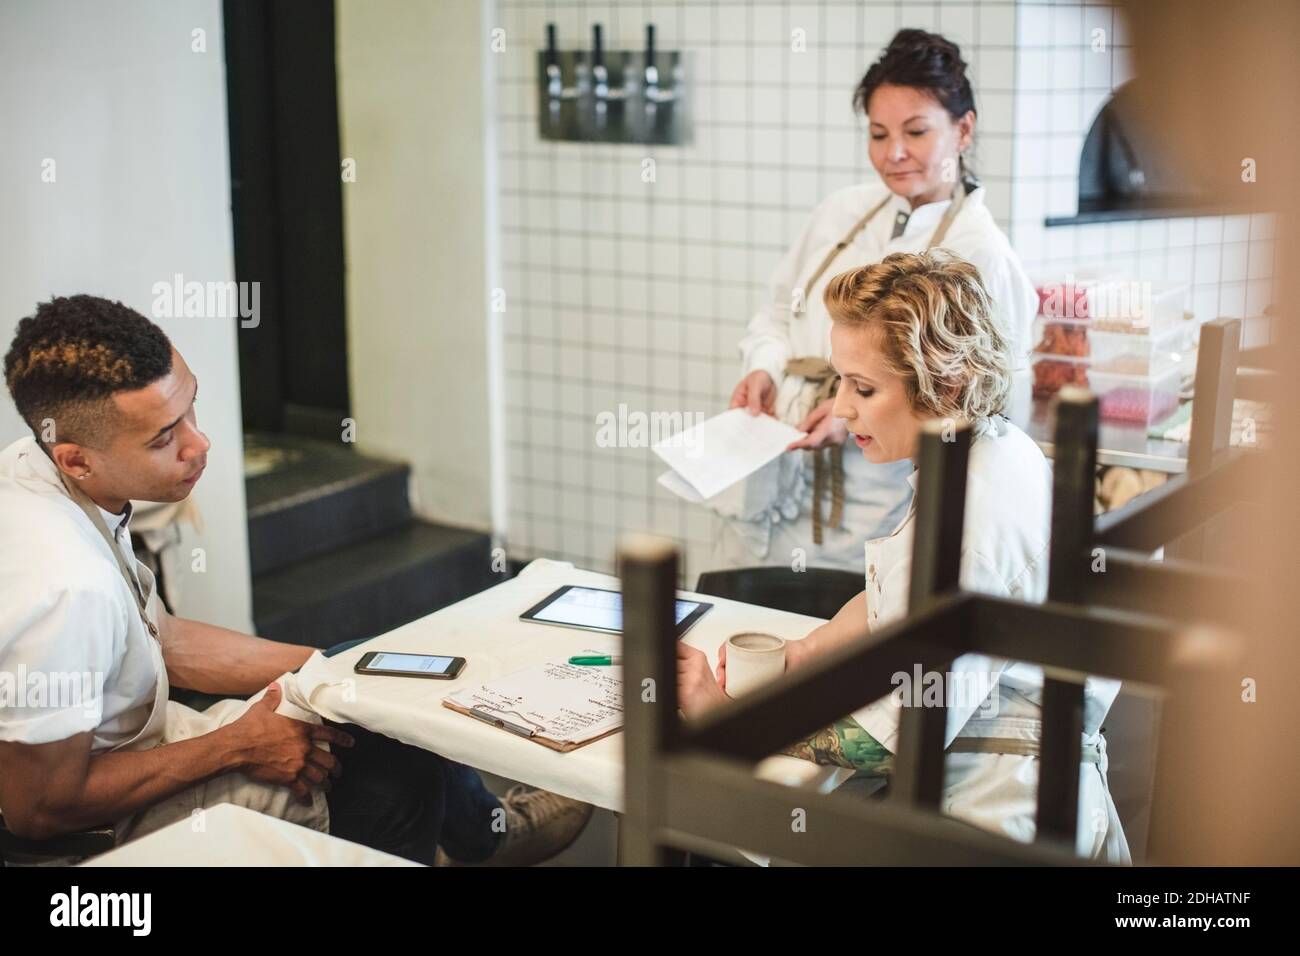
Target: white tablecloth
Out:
[485,629]
[229,835]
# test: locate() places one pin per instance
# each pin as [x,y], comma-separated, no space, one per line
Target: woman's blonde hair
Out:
[937,330]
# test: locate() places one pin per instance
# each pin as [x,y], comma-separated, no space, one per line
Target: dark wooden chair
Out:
[817,592]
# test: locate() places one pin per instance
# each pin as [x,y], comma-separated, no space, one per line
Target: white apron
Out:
[169,722]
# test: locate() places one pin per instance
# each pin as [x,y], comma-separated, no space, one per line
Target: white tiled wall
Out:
[620,291]
[623,292]
[1061,84]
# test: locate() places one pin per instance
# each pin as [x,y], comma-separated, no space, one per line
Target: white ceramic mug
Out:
[753,659]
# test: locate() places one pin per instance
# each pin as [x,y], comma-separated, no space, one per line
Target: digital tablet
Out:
[596,609]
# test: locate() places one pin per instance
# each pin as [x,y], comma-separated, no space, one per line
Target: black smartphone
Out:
[436,666]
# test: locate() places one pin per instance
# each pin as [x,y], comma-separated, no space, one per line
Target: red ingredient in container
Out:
[1059,339]
[1049,376]
[1136,405]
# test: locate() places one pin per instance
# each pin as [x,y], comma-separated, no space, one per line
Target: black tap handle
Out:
[552,54]
[649,44]
[597,46]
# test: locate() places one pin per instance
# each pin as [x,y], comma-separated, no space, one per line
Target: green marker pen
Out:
[606,661]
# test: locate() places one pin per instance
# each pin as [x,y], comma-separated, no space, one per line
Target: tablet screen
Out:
[597,610]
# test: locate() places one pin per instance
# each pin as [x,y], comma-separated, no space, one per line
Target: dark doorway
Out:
[287,206]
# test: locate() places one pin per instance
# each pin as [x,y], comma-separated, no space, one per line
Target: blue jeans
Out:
[407,801]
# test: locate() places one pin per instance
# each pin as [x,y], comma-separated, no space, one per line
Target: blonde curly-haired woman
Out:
[912,340]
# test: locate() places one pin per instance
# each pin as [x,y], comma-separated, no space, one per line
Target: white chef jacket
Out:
[66,609]
[1005,543]
[876,495]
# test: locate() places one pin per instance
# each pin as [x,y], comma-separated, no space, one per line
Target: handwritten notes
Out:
[563,702]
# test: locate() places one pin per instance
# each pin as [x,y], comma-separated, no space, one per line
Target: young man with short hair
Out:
[111,405]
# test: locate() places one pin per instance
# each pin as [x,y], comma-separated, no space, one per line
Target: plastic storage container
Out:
[1120,353]
[1136,399]
[1140,399]
[1053,371]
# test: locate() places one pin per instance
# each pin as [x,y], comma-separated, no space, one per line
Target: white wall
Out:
[136,124]
[411,116]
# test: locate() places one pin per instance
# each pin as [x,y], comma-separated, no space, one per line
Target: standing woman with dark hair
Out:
[821,506]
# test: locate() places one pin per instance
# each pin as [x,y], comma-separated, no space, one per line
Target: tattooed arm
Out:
[845,744]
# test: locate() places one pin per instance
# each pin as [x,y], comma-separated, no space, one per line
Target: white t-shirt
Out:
[1006,532]
[67,616]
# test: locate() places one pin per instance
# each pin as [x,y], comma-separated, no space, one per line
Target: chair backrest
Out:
[1130,581]
[817,592]
[679,774]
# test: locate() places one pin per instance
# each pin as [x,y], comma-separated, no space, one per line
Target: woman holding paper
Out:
[821,506]
[913,339]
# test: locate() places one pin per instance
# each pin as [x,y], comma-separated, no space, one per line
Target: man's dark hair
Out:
[70,357]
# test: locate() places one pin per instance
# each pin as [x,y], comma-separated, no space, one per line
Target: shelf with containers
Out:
[1137,399]
[1131,351]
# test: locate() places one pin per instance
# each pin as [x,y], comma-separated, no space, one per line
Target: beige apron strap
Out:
[1091,753]
[841,246]
[828,463]
[941,230]
[815,369]
[91,510]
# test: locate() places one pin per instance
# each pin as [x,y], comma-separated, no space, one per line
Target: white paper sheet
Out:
[680,487]
[715,454]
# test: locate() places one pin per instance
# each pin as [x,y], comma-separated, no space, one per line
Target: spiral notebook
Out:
[556,704]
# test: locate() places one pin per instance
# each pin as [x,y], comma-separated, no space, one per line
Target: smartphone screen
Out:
[410,663]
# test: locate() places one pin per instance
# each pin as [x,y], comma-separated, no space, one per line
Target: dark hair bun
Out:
[924,61]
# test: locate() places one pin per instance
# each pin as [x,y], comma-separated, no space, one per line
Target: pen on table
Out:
[607,660]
